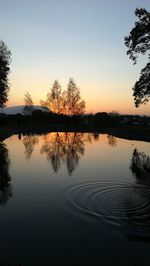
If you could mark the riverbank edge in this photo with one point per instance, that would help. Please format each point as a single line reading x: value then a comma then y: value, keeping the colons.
x: 126, y: 132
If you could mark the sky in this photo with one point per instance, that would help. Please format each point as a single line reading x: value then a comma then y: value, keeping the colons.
x: 82, y: 39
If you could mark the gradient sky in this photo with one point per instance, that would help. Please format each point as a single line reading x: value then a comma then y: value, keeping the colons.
x: 82, y: 39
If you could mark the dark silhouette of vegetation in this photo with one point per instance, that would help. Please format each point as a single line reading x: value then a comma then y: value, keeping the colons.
x: 140, y: 167
x: 139, y: 224
x: 137, y: 42
x: 5, y: 60
x: 73, y: 103
x: 54, y: 101
x: 19, y: 136
x: 126, y: 126
x: 5, y: 185
x: 64, y: 102
x: 29, y: 106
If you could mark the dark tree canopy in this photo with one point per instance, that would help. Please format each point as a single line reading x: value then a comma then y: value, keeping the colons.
x: 138, y: 42
x: 142, y: 87
x: 5, y: 179
x: 5, y: 60
x: 140, y: 167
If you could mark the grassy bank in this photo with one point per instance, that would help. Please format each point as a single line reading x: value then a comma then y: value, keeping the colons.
x: 131, y: 132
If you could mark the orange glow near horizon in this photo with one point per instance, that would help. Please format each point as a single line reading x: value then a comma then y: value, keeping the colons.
x: 100, y: 95
x: 97, y: 100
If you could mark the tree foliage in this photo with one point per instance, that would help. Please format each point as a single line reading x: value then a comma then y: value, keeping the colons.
x: 142, y: 87
x: 5, y: 60
x: 29, y: 106
x: 138, y: 42
x: 64, y: 102
x: 74, y: 105
x: 5, y: 179
x: 54, y: 98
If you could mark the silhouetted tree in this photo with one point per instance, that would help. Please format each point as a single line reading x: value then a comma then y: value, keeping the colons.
x: 73, y: 103
x: 137, y: 42
x: 29, y: 106
x: 54, y: 99
x: 142, y: 87
x: 5, y: 60
x: 64, y: 102
x: 5, y: 186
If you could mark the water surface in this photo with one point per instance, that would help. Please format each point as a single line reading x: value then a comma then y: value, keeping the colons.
x: 73, y: 198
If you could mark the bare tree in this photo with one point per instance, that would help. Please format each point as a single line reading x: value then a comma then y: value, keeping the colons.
x: 64, y: 102
x: 29, y: 106
x: 54, y: 99
x: 74, y: 104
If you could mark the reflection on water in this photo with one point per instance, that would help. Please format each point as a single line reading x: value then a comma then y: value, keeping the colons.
x: 5, y: 185
x: 104, y: 205
x: 140, y: 223
x: 112, y: 141
x: 122, y: 205
x: 140, y: 167
x: 29, y: 142
x: 96, y: 136
x: 63, y: 148
x: 66, y: 148
x: 19, y: 136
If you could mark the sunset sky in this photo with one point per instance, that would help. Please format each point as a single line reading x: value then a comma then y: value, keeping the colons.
x: 82, y: 39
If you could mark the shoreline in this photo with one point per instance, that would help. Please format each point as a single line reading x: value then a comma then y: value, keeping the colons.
x: 126, y: 132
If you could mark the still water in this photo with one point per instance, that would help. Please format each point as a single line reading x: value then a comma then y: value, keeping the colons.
x: 74, y: 199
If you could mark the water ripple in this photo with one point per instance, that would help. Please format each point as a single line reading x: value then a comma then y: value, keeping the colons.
x: 117, y: 203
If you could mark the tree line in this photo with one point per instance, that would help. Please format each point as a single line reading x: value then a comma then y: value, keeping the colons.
x: 67, y: 102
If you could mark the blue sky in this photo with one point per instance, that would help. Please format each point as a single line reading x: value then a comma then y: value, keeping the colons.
x: 83, y: 39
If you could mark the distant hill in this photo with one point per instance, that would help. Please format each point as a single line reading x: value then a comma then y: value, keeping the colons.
x: 18, y: 109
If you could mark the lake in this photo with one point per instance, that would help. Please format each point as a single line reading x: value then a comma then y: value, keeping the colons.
x: 74, y: 199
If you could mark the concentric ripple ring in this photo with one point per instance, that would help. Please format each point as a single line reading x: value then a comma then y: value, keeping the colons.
x: 116, y: 203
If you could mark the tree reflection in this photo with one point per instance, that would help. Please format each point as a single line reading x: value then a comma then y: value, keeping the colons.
x: 5, y: 185
x: 65, y: 148
x: 29, y: 142
x: 138, y: 226
x: 96, y: 136
x: 19, y: 136
x: 112, y: 140
x: 140, y: 167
